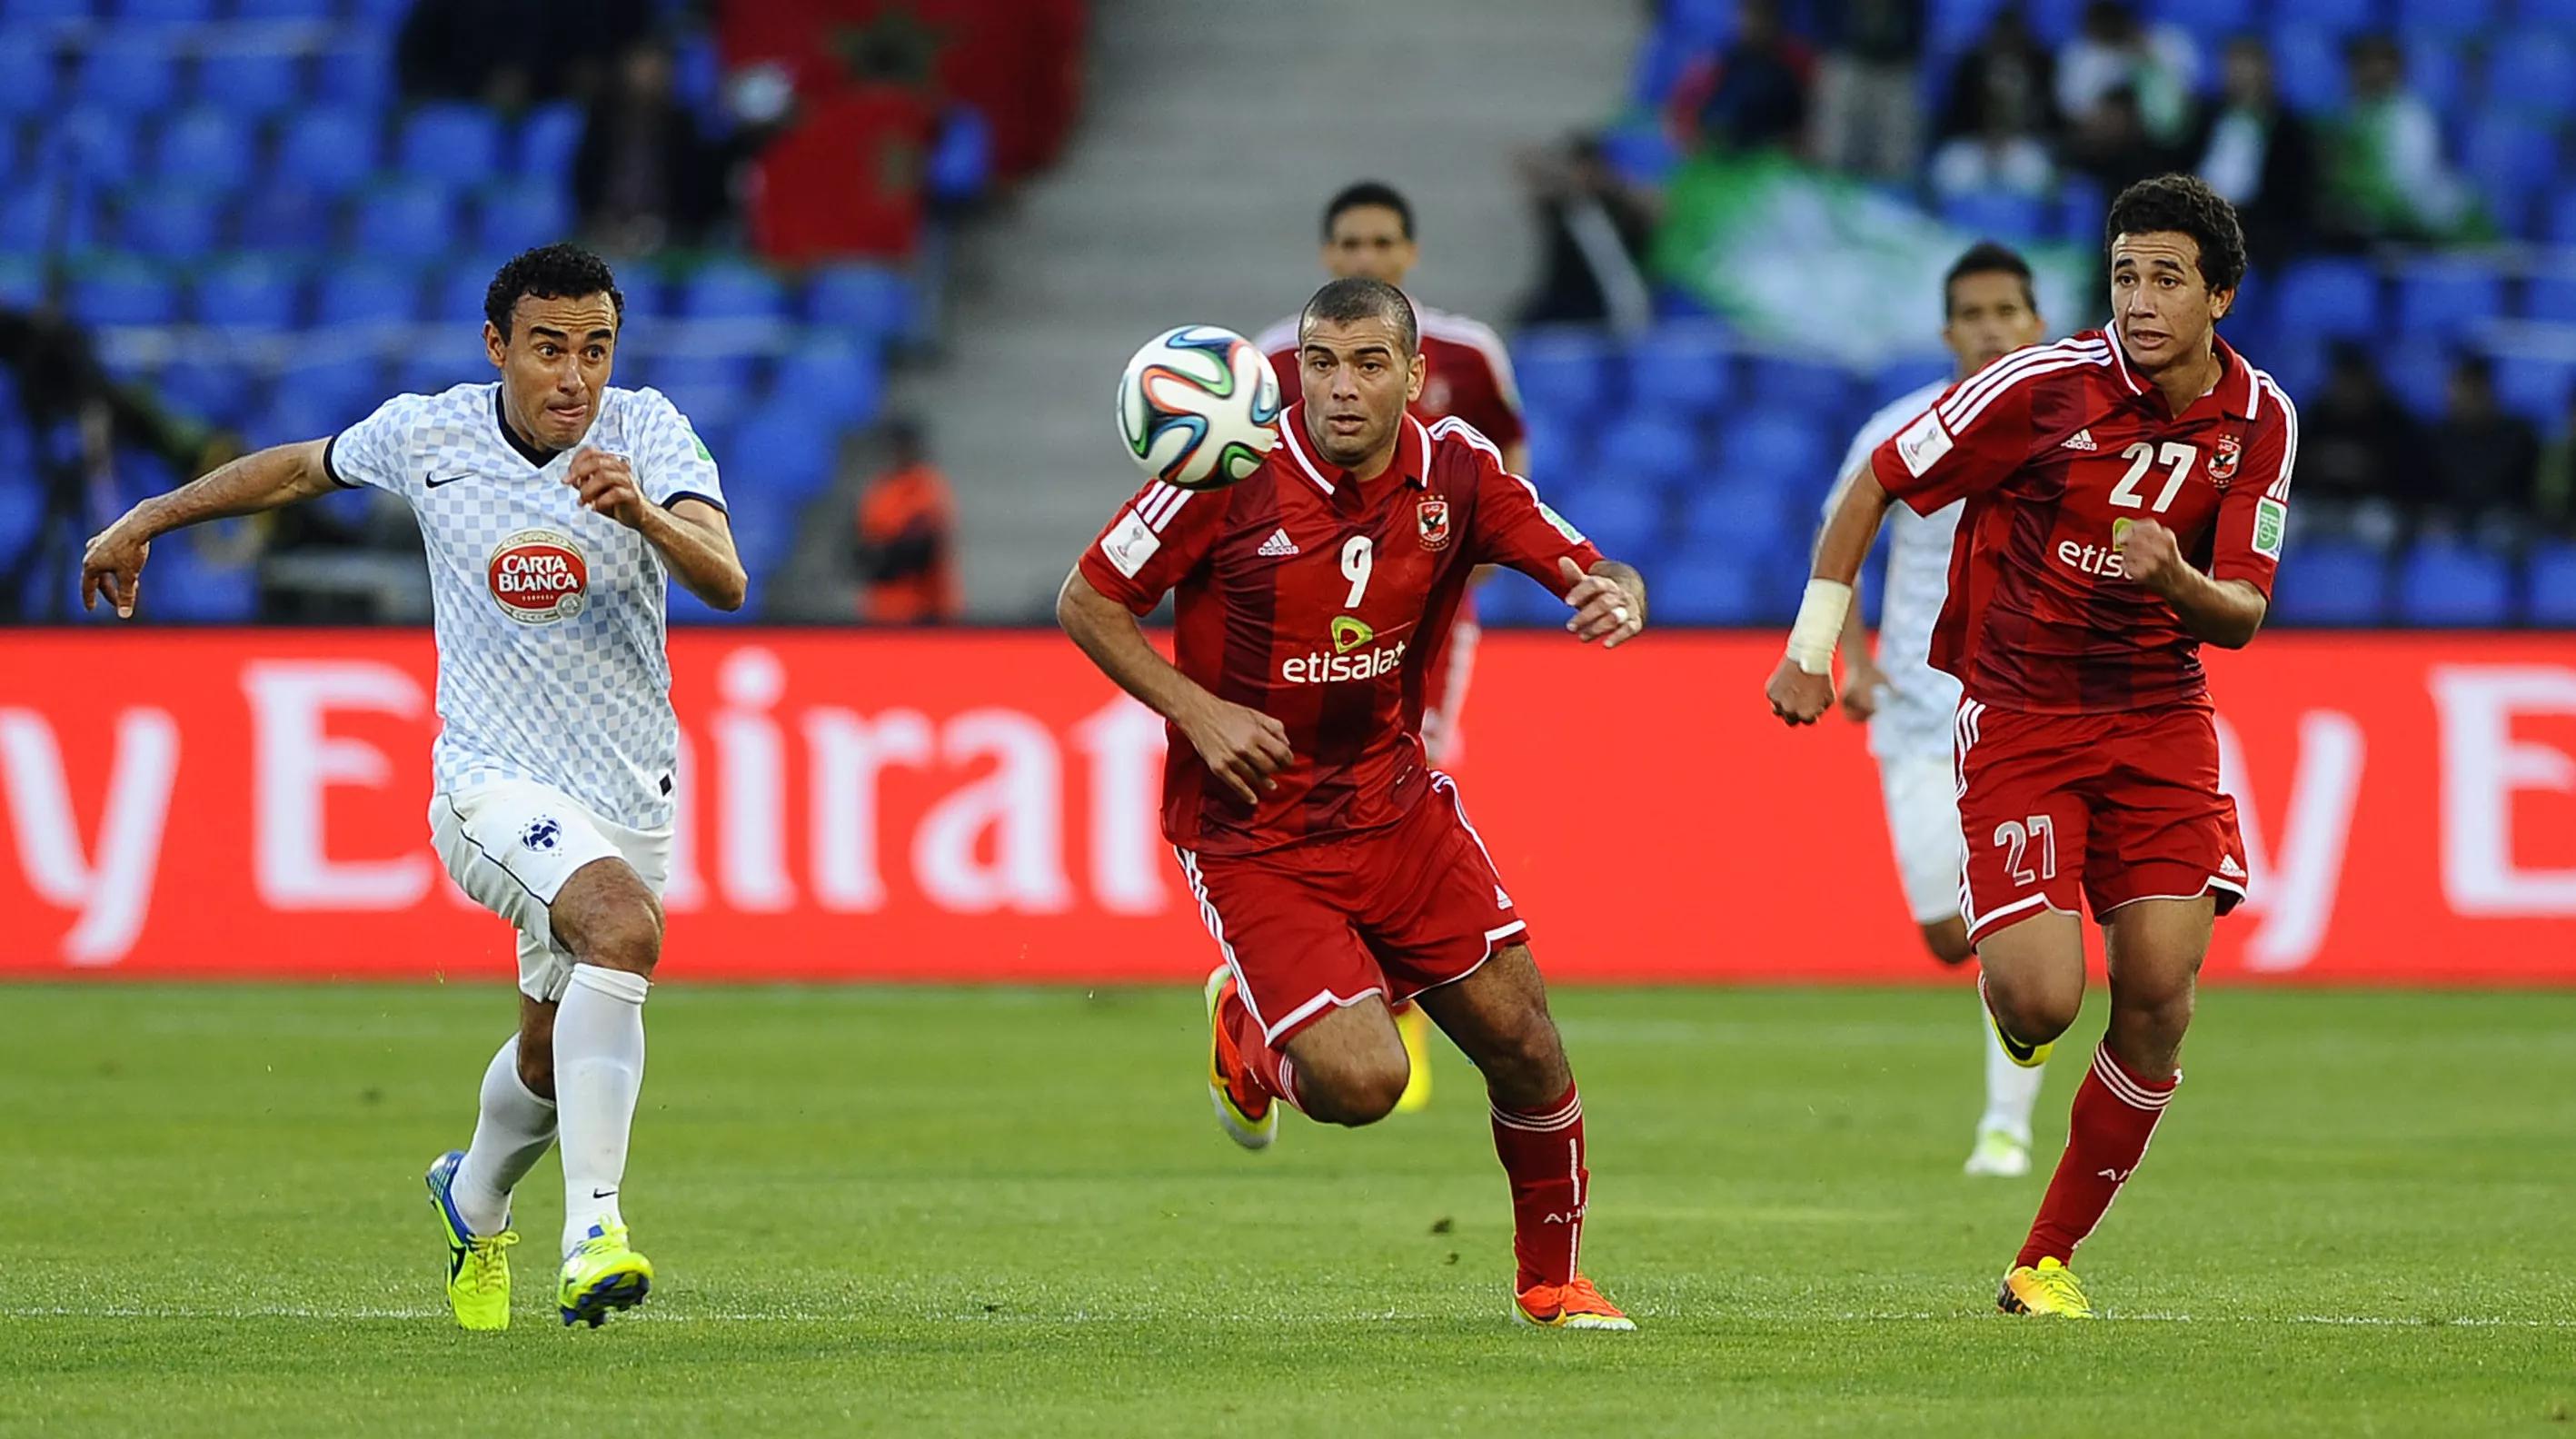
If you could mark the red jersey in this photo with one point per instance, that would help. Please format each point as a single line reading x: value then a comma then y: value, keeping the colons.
x: 2056, y: 449
x: 1466, y: 372
x: 1310, y: 596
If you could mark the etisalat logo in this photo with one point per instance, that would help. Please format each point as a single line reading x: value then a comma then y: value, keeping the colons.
x: 1350, y: 660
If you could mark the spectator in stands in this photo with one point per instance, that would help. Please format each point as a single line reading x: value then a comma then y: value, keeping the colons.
x: 511, y: 52
x: 1595, y: 229
x: 2003, y: 104
x: 2554, y: 487
x: 2112, y: 145
x: 2259, y: 155
x: 1867, y: 115
x: 907, y: 537
x: 2485, y: 458
x: 2114, y: 51
x: 2386, y: 178
x: 645, y: 177
x: 2363, y: 466
x: 1755, y: 94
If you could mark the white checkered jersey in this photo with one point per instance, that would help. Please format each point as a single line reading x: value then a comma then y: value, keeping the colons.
x: 552, y: 665
x: 1922, y: 703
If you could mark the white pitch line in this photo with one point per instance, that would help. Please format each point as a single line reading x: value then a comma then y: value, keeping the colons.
x: 1007, y: 1316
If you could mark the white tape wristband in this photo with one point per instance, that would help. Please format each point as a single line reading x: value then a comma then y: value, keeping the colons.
x: 1819, y: 626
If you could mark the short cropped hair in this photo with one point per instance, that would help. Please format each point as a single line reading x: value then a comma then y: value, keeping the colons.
x: 1367, y: 193
x: 1342, y: 301
x: 551, y: 272
x: 2183, y: 204
x: 1986, y: 257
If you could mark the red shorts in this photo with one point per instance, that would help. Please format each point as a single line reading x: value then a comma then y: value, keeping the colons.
x: 1327, y: 923
x: 2108, y: 809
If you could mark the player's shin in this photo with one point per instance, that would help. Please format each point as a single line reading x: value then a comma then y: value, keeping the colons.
x: 510, y: 1135
x: 599, y: 1071
x: 2115, y: 1115
x: 1542, y: 1154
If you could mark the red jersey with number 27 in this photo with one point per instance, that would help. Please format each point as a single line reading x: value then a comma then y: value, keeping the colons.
x: 2057, y: 449
x: 1310, y: 596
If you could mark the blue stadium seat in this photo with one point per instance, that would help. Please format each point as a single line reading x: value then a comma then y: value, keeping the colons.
x: 330, y: 393
x: 1998, y: 215
x: 2561, y: 228
x: 405, y: 222
x: 327, y: 151
x: 2449, y: 19
x: 249, y: 296
x: 521, y: 216
x: 1744, y: 517
x: 206, y: 390
x: 1513, y: 601
x: 1641, y: 152
x: 249, y: 80
x: 648, y: 295
x: 2551, y: 295
x: 869, y: 299
x: 303, y: 10
x: 165, y: 12
x: 1661, y: 62
x: 2336, y: 17
x: 1562, y: 371
x: 379, y: 14
x: 1558, y: 448
x: 1954, y: 25
x: 2205, y: 17
x: 365, y: 294
x: 170, y: 223
x: 26, y: 219
x: 206, y: 147
x: 22, y: 510
x: 457, y: 298
x: 124, y: 297
x: 2333, y: 582
x: 360, y: 77
x: 2550, y: 577
x: 2532, y: 72
x: 1818, y: 391
x: 1780, y: 448
x: 716, y: 385
x: 130, y: 75
x: 2307, y: 59
x: 833, y: 377
x: 1646, y: 450
x: 2535, y: 387
x: 22, y: 287
x: 2328, y: 298
x: 98, y: 146
x: 2559, y: 13
x: 50, y: 12
x: 789, y: 454
x: 1681, y: 369
x: 2419, y: 375
x: 1622, y: 516
x: 450, y: 144
x: 26, y: 76
x: 2448, y: 299
x: 185, y: 586
x: 290, y: 220
x: 2437, y: 71
x: 732, y: 290
x: 1707, y: 589
x: 1898, y: 378
x: 2513, y: 162
x: 960, y: 168
x: 548, y: 139
x: 2454, y: 586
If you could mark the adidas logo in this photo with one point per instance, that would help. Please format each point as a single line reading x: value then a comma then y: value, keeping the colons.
x: 1277, y: 546
x: 1501, y: 900
x: 2080, y: 440
x: 2228, y: 868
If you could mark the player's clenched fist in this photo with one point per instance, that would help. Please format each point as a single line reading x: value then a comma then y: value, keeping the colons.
x: 112, y: 567
x: 1242, y: 747
x: 607, y: 486
x: 2150, y: 555
x: 1797, y: 696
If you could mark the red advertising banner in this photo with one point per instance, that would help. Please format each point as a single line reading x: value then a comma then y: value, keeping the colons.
x: 981, y: 806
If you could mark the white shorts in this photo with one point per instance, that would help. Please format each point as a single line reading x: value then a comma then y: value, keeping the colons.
x: 1922, y: 794
x: 511, y: 844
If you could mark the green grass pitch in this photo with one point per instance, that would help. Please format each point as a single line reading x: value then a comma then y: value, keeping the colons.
x: 1009, y: 1212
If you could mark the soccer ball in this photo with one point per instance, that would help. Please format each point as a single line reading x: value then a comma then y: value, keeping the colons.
x: 1199, y: 407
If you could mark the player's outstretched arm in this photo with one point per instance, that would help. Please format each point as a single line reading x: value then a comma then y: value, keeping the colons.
x: 1802, y: 687
x: 2226, y: 613
x: 112, y: 567
x: 1609, y: 601
x: 1244, y: 747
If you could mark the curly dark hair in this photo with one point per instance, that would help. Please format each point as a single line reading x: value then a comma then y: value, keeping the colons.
x: 2183, y: 204
x: 550, y: 272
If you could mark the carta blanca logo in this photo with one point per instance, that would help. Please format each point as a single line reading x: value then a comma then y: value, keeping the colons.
x: 1320, y: 668
x: 1349, y: 633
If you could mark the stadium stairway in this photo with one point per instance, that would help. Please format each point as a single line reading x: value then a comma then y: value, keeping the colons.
x: 1212, y: 138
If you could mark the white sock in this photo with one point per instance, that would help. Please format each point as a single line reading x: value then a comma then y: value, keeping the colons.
x: 510, y: 1135
x: 2011, y: 1090
x: 599, y: 1069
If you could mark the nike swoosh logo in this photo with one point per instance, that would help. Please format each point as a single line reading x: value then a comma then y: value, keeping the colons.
x: 601, y: 1193
x: 443, y: 480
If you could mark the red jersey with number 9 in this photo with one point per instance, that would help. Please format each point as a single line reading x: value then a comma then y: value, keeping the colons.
x: 1309, y: 595
x: 2057, y: 450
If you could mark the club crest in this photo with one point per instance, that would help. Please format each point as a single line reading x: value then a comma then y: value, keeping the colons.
x: 1433, y: 519
x: 2222, y: 463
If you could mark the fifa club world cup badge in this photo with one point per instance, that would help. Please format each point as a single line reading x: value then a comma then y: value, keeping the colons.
x: 2222, y: 463
x: 1434, y: 520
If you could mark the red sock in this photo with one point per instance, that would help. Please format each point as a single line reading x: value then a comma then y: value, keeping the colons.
x: 2115, y: 1115
x: 1542, y: 1152
x: 1263, y: 1065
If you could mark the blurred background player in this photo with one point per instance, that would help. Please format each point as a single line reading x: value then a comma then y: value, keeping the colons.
x: 1991, y: 310
x: 1336, y: 870
x: 2127, y: 496
x: 1368, y: 235
x: 556, y: 509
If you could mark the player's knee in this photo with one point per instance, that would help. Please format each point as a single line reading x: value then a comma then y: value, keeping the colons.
x: 2033, y: 1011
x: 1525, y: 1065
x: 631, y: 941
x: 1355, y: 1094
